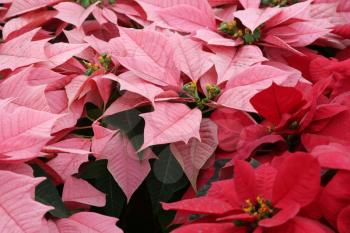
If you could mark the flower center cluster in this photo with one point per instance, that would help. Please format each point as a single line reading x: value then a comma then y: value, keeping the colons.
x: 212, y: 91
x: 259, y: 208
x: 235, y: 29
x: 280, y: 3
x: 104, y: 61
x: 86, y: 3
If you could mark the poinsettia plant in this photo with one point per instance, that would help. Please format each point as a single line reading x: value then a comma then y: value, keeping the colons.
x: 211, y: 116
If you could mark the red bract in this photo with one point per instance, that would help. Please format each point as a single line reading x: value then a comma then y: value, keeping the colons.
x: 335, y: 201
x: 266, y: 197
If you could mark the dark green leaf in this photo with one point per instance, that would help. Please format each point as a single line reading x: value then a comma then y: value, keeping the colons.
x: 46, y: 193
x: 166, y: 168
x: 97, y: 174
x: 93, y: 111
x: 126, y: 121
x: 93, y: 170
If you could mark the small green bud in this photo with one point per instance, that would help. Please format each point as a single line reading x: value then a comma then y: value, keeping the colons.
x: 191, y: 89
x: 266, y: 2
x: 90, y: 68
x: 294, y: 125
x: 212, y: 91
x: 223, y: 26
x: 85, y: 3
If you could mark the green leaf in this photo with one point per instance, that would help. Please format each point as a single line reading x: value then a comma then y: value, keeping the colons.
x: 93, y: 111
x: 125, y: 121
x: 137, y: 142
x: 96, y: 173
x: 94, y: 169
x: 160, y: 192
x: 166, y: 168
x: 47, y: 193
x: 163, y: 192
x: 115, y: 198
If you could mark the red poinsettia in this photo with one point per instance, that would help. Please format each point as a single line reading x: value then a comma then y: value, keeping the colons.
x: 335, y: 201
x: 265, y: 199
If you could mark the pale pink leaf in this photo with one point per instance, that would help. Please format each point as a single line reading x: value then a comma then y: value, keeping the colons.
x: 59, y: 53
x: 277, y: 42
x: 78, y: 87
x: 150, y: 55
x: 99, y: 45
x: 24, y: 131
x: 70, y: 145
x: 193, y: 155
x: 252, y: 18
x: 22, y: 51
x: 186, y: 18
x: 130, y: 82
x: 66, y: 164
x: 123, y: 162
x: 126, y: 102
x: 250, y: 3
x: 28, y: 87
x: 79, y: 190
x: 230, y: 62
x: 288, y: 13
x: 249, y: 82
x: 190, y: 57
x: 88, y: 222
x: 73, y: 13
x: 23, y: 6
x: 110, y: 15
x: 152, y: 7
x: 26, y: 22
x: 20, y: 168
x: 213, y: 38
x: 171, y: 122
x: 19, y: 212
